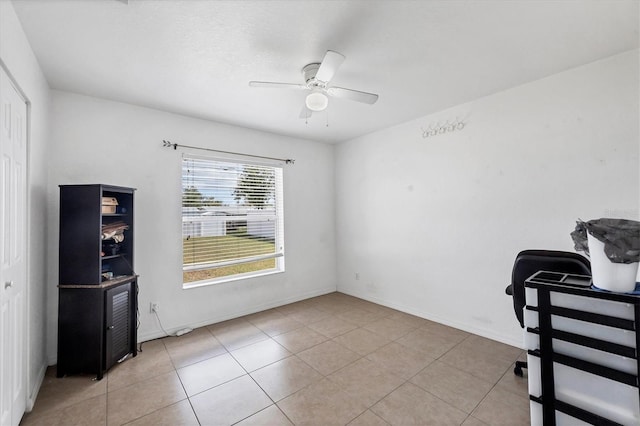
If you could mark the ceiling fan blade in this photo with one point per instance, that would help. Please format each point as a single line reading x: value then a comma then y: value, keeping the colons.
x: 354, y: 95
x: 270, y: 84
x: 305, y: 112
x: 330, y: 64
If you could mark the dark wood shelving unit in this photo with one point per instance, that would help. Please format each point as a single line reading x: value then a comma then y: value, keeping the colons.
x: 97, y: 291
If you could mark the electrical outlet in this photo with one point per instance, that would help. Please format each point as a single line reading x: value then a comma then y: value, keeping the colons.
x: 154, y: 307
x: 357, y: 276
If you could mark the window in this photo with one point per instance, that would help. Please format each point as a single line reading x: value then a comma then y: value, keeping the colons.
x: 232, y: 224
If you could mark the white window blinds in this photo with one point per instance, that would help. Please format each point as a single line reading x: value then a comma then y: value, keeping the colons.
x: 232, y: 222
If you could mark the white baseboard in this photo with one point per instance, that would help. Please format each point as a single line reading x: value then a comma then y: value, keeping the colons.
x: 247, y: 311
x: 489, y: 334
x: 31, y: 398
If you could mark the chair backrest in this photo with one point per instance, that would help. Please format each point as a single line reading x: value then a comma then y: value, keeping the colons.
x: 528, y: 262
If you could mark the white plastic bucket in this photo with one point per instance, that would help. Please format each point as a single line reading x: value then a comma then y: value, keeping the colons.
x: 619, y: 277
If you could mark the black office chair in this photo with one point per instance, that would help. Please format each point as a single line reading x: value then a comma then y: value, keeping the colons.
x: 527, y: 263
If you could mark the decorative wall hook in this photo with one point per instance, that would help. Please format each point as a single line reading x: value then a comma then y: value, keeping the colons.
x: 442, y: 128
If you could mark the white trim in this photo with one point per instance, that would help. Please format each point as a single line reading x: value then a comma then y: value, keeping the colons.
x: 27, y: 231
x: 31, y: 397
x: 237, y: 314
x: 483, y: 332
x: 231, y: 278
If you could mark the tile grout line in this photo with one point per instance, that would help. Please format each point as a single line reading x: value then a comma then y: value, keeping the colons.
x: 334, y: 307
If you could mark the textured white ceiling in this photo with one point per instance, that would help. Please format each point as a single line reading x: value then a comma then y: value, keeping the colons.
x: 196, y: 57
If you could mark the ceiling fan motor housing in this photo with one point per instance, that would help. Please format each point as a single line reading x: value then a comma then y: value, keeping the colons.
x: 309, y: 73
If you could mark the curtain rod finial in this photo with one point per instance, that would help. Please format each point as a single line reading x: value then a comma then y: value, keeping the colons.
x: 167, y: 144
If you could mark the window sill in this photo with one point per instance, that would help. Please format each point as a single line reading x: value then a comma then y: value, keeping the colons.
x: 238, y: 277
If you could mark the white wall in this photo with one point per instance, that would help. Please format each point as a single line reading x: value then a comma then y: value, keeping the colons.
x: 99, y: 141
x: 18, y: 59
x: 432, y: 226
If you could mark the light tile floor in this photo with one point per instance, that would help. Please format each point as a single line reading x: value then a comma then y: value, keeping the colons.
x: 329, y: 360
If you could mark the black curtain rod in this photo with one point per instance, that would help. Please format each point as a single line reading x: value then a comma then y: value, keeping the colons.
x: 167, y: 144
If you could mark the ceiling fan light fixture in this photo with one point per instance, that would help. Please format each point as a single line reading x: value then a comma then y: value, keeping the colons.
x: 316, y: 101
x: 317, y: 80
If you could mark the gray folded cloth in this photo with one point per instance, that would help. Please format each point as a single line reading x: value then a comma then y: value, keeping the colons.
x: 621, y: 238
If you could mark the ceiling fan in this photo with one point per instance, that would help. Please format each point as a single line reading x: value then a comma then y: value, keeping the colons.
x: 317, y: 77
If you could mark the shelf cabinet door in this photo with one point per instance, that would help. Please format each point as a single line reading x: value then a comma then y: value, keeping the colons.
x: 120, y: 313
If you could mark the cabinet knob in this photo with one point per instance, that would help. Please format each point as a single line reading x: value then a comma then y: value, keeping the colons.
x: 111, y: 327
x: 8, y: 284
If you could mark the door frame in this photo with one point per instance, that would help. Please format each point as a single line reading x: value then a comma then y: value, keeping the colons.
x: 30, y: 394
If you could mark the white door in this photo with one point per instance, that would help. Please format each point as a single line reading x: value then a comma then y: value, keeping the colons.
x: 13, y: 271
